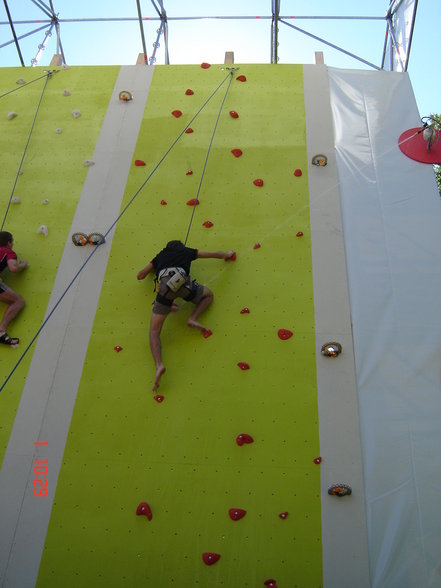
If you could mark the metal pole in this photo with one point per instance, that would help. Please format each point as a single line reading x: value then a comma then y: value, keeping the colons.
x: 42, y: 47
x: 275, y: 31
x: 156, y: 44
x: 13, y: 33
x: 23, y: 36
x: 385, y: 46
x: 142, y: 32
x: 331, y: 45
x: 411, y: 35
x: 394, y: 43
x: 43, y: 8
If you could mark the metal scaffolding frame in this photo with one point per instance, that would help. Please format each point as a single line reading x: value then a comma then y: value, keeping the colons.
x: 54, y: 21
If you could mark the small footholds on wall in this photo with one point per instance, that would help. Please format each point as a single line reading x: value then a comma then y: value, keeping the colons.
x: 232, y: 257
x: 79, y: 239
x: 317, y: 460
x: 118, y: 348
x: 176, y: 113
x: 144, y: 509
x: 339, y: 490
x: 205, y: 65
x: 88, y: 163
x: 207, y: 224
x: 244, y: 365
x: 299, y: 234
x: 193, y: 202
x: 189, y: 92
x: 139, y: 163
x: 241, y: 78
x: 209, y: 558
x: 96, y: 239
x: 15, y: 200
x: 271, y: 583
x: 189, y: 172
x: 258, y: 182
x: 76, y: 113
x: 125, y: 96
x: 257, y: 246
x: 43, y: 230
x: 12, y: 115
x: 284, y: 334
x: 46, y: 201
x: 189, y: 131
x: 58, y: 131
x: 244, y: 438
x: 331, y: 349
x: 65, y: 66
x: 319, y: 160
x: 283, y: 515
x: 163, y: 203
x: 245, y: 310
x: 206, y: 333
x: 66, y: 92
x: 20, y: 172
x: 236, y: 513
x: 159, y: 398
x: 237, y: 152
x: 298, y: 173
x: 234, y: 114
x: 20, y: 81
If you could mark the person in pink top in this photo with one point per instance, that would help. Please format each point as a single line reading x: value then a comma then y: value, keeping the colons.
x: 14, y: 302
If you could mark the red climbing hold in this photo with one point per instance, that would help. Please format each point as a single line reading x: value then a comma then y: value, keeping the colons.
x: 237, y: 513
x: 192, y: 202
x: 283, y: 515
x: 298, y: 173
x: 189, y: 173
x: 257, y: 246
x: 233, y: 114
x: 144, y: 509
x: 205, y: 65
x: 270, y: 583
x: 258, y: 182
x: 158, y: 398
x: 163, y: 203
x: 317, y: 460
x: 245, y: 310
x: 284, y: 334
x: 189, y: 92
x: 139, y: 162
x: 177, y: 113
x: 243, y: 365
x: 207, y: 224
x: 117, y: 348
x: 232, y: 258
x: 236, y: 152
x: 241, y: 79
x: 189, y: 130
x: 206, y: 333
x: 299, y: 234
x: 210, y: 558
x: 244, y: 438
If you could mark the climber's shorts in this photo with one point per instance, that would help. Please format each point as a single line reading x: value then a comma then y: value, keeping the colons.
x: 191, y: 292
x: 3, y: 286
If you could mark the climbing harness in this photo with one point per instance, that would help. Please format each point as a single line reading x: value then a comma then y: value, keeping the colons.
x: 173, y: 277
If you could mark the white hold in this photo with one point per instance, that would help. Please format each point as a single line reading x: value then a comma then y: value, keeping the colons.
x: 15, y: 200
x: 65, y: 66
x: 45, y: 201
x: 88, y: 163
x: 21, y: 81
x: 12, y: 115
x: 58, y: 131
x: 66, y: 92
x: 43, y: 230
x: 20, y: 172
x: 76, y: 113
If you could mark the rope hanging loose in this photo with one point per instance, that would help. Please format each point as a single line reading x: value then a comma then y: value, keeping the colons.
x: 207, y: 156
x: 47, y: 76
x: 92, y: 253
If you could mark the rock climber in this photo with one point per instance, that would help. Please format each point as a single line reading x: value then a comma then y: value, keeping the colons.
x: 172, y: 268
x: 15, y: 302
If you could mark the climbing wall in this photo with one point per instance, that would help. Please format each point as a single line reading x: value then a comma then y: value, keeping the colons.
x: 180, y: 454
x: 40, y: 137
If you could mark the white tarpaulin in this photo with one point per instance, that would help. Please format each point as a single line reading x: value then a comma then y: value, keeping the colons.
x: 391, y: 214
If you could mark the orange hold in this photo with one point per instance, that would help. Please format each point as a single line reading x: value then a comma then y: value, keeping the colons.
x: 257, y: 246
x: 233, y: 114
x: 139, y: 162
x: 193, y: 202
x: 189, y: 92
x: 189, y: 131
x: 258, y: 182
x: 163, y: 203
x: 241, y: 78
x: 205, y: 65
x: 236, y: 152
x: 177, y: 113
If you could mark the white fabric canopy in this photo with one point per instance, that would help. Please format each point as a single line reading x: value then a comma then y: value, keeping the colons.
x: 391, y: 213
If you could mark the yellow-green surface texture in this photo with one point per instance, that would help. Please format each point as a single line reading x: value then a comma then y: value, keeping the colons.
x: 181, y: 456
x: 52, y: 170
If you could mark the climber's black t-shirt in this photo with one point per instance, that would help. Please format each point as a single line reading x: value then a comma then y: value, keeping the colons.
x: 176, y: 256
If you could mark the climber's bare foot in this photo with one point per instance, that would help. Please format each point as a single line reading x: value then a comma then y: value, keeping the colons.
x: 158, y: 375
x: 195, y: 325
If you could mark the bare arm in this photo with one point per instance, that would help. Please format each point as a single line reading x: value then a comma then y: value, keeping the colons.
x: 145, y: 271
x: 16, y: 266
x: 215, y: 254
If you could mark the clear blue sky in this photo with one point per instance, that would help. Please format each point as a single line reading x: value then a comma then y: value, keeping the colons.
x: 207, y: 40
